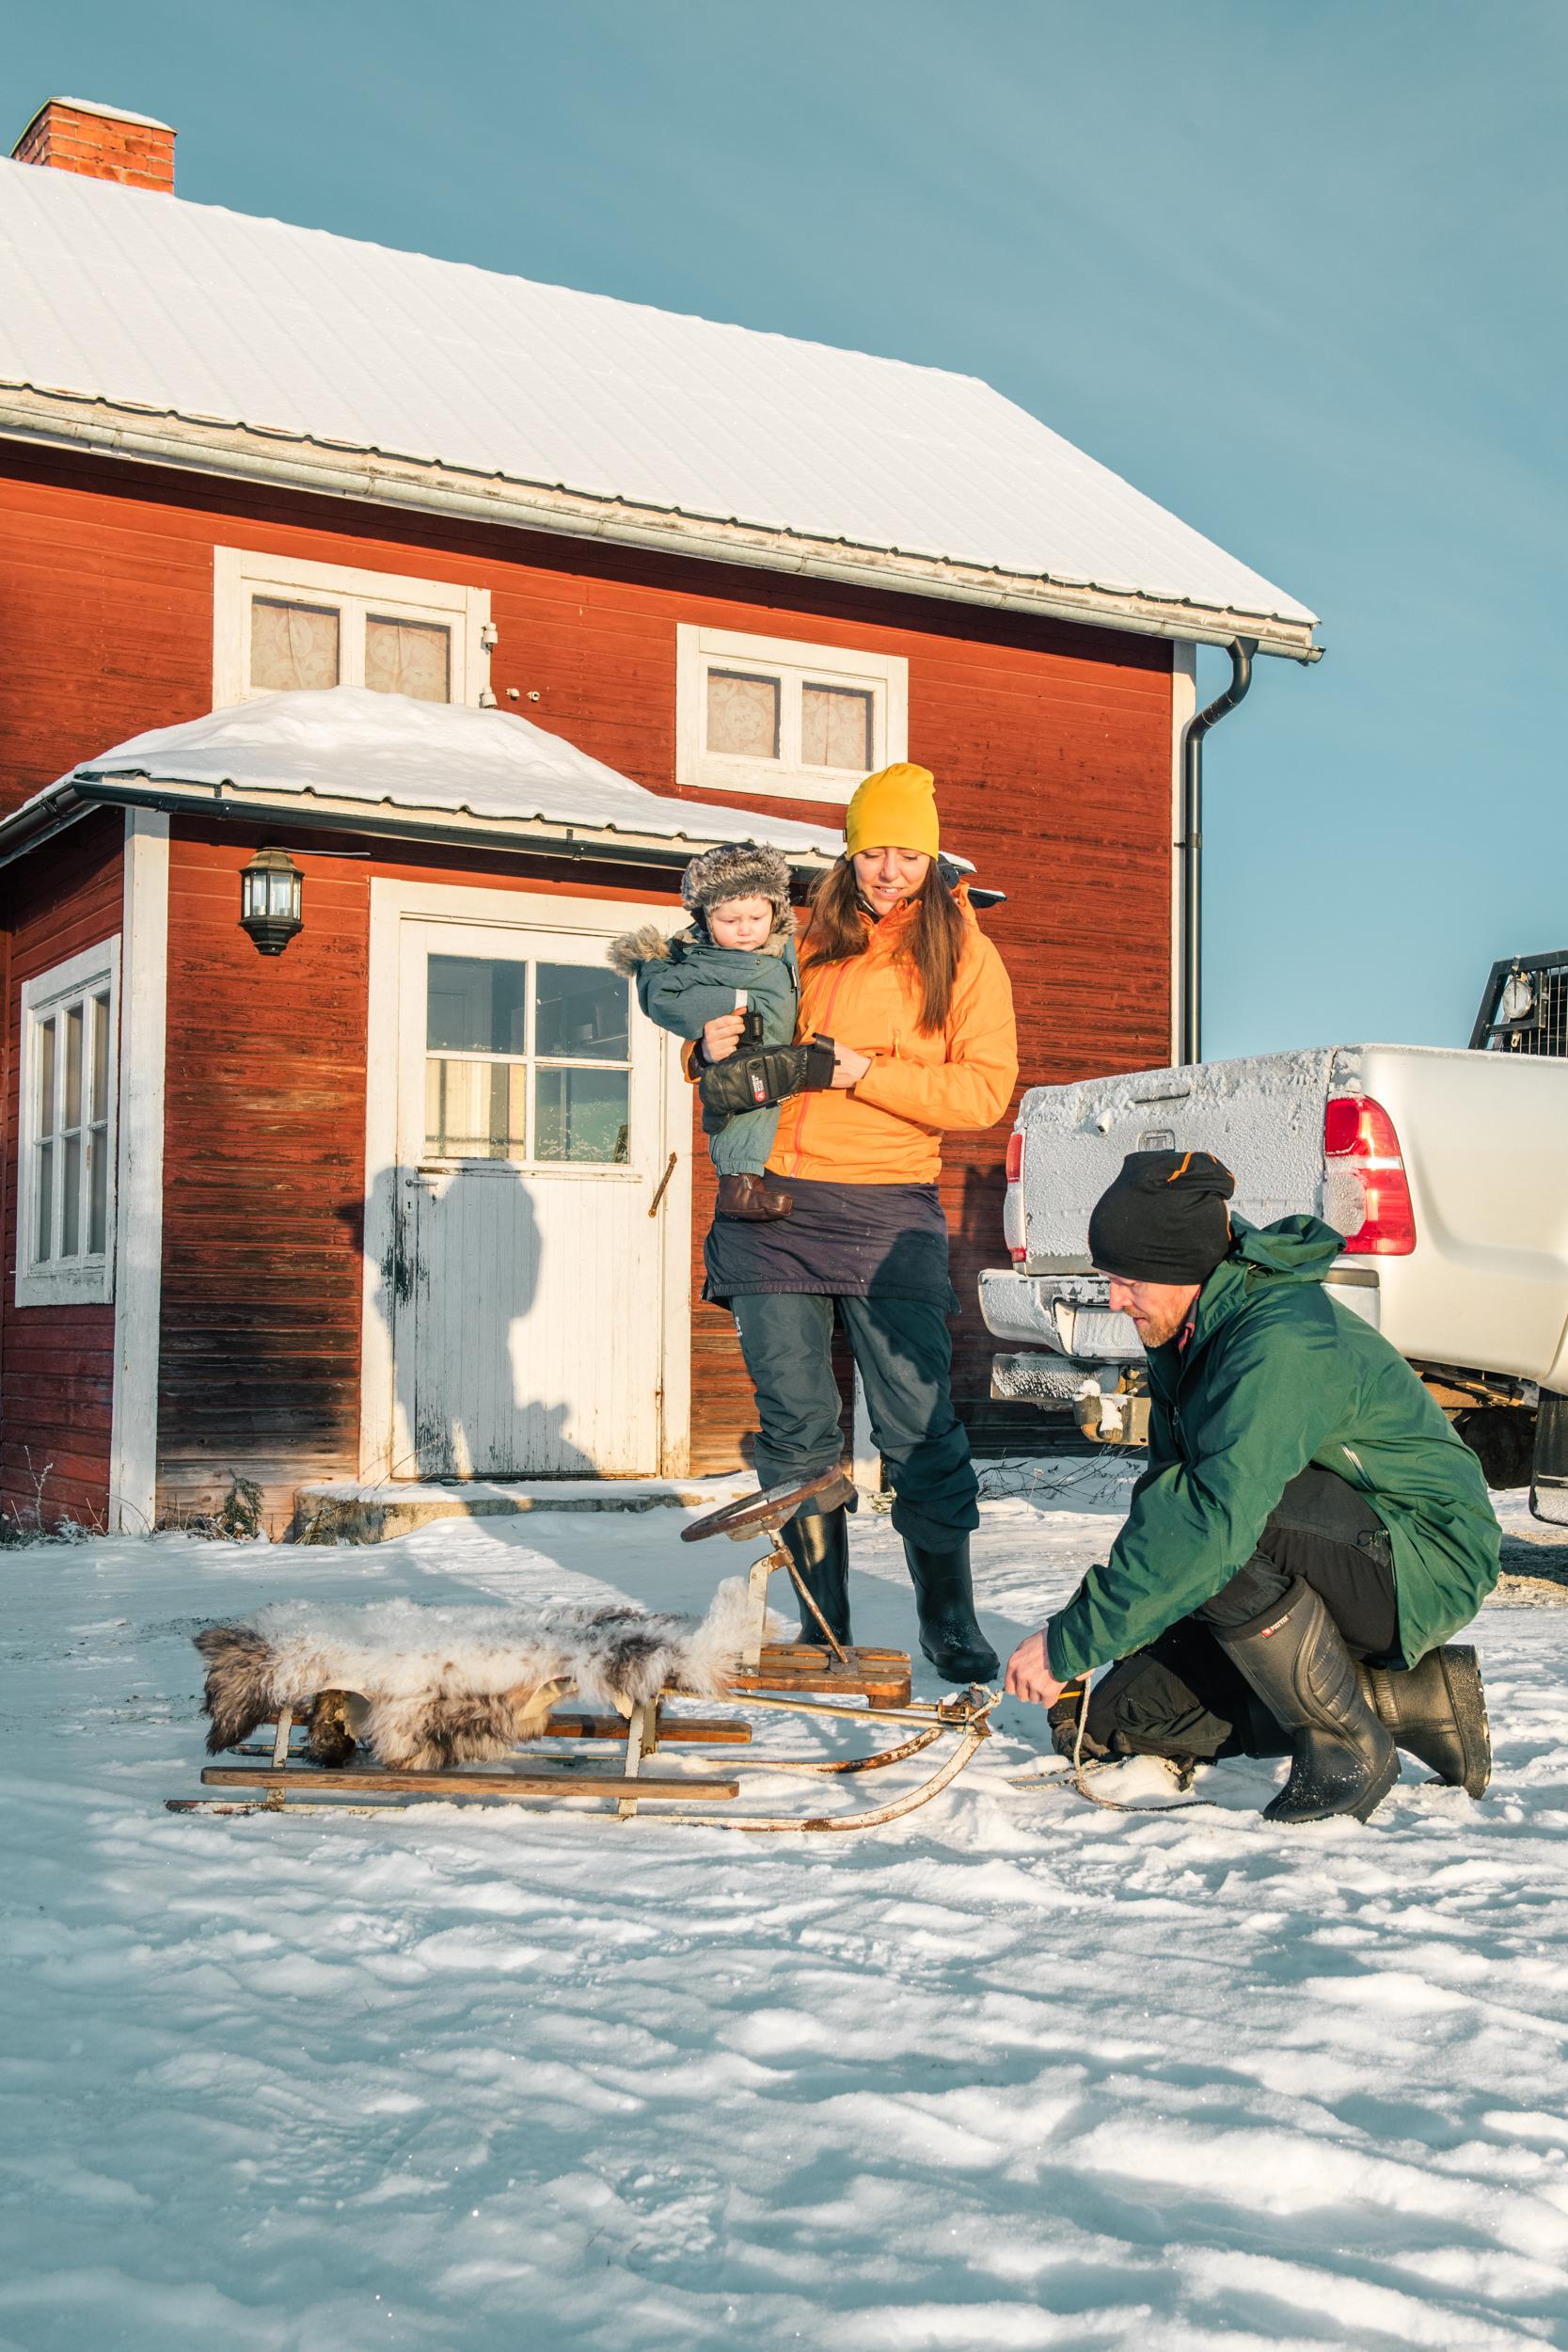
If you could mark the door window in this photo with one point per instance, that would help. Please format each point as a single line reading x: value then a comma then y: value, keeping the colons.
x: 527, y: 1061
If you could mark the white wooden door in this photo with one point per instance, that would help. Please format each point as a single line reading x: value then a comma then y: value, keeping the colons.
x: 528, y: 1339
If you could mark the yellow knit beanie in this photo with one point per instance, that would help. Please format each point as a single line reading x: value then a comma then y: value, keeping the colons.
x: 895, y: 809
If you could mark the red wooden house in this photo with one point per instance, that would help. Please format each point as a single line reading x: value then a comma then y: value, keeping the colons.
x: 412, y: 1195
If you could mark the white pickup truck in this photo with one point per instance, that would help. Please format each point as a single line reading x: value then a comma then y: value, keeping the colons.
x: 1446, y: 1170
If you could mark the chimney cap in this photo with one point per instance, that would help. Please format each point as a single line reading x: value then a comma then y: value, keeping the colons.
x: 106, y: 113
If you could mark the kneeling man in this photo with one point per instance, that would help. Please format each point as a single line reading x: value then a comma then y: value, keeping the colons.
x: 1307, y: 1535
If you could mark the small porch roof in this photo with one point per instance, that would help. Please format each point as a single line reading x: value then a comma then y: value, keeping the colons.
x: 351, y: 759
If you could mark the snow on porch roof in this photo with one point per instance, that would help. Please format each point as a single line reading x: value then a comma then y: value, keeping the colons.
x: 197, y: 326
x: 345, y: 746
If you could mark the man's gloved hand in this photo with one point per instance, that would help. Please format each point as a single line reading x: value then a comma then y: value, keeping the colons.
x: 756, y: 1081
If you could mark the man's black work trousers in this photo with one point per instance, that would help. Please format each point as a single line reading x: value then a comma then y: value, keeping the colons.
x: 1183, y: 1698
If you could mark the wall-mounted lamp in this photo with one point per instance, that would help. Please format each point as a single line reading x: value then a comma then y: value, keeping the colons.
x: 271, y: 896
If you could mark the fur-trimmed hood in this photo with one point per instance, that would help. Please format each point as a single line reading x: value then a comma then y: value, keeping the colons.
x: 632, y: 950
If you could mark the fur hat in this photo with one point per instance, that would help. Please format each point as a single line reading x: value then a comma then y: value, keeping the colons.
x: 736, y: 870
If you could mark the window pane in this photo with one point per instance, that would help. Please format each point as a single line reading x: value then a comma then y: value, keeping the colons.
x: 743, y: 714
x: 409, y: 657
x: 100, y: 1057
x: 72, y: 1111
x: 45, y: 1221
x: 70, y: 1197
x: 46, y: 1112
x: 474, y: 1110
x: 835, y: 727
x: 581, y: 1114
x: 581, y: 1012
x: 98, y: 1190
x: 478, y: 1005
x: 292, y: 645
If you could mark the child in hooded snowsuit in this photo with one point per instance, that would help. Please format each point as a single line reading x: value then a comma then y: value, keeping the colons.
x: 700, y: 974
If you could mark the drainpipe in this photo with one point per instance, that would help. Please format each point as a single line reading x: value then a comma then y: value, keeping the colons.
x: 1191, y: 845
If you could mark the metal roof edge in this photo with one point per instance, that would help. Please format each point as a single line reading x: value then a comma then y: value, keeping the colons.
x: 250, y: 805
x: 62, y: 419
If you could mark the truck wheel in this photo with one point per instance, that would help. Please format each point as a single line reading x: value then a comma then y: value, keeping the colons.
x: 1502, y: 1438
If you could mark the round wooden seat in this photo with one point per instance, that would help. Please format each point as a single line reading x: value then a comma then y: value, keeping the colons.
x: 767, y: 1511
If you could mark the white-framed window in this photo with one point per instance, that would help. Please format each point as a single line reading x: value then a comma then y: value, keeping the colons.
x: 67, y: 1139
x: 773, y: 714
x: 279, y: 622
x: 527, y: 1060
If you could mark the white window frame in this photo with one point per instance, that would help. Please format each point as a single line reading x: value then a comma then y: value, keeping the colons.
x: 240, y: 575
x: 84, y: 1279
x: 795, y: 662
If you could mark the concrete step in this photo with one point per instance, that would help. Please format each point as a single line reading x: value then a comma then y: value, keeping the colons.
x: 336, y: 1511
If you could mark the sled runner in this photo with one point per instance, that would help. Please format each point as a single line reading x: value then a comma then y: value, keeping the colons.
x: 380, y: 1706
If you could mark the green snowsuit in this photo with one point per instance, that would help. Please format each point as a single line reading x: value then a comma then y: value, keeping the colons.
x: 1278, y: 1375
x: 688, y: 981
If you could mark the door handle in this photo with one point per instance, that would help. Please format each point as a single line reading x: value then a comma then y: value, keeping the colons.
x: 663, y: 1183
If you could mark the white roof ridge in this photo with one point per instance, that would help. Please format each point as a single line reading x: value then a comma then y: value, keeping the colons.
x: 587, y: 295
x: 152, y: 304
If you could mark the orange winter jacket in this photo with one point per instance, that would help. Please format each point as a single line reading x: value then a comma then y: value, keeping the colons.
x: 887, y: 1128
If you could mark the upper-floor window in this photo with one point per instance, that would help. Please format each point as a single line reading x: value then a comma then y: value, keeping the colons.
x: 773, y: 714
x: 65, y: 1171
x: 281, y: 622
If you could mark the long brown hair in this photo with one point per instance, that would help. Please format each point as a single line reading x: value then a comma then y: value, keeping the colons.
x: 838, y: 929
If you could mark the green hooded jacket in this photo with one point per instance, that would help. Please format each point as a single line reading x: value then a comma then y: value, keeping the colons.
x: 1278, y: 1375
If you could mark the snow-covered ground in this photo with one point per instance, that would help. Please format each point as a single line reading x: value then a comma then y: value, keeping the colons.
x: 1013, y: 2073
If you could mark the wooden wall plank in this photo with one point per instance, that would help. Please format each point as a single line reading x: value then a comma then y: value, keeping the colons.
x: 1050, y: 744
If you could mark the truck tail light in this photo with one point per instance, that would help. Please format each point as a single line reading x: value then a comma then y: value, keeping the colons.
x: 1360, y: 1142
x: 1017, y: 1250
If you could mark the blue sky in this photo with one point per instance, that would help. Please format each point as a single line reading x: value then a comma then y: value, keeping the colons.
x: 1298, y: 273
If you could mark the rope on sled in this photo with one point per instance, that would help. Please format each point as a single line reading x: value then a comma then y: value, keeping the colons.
x: 1080, y: 1774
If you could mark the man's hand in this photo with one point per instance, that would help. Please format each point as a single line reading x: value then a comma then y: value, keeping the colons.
x: 848, y: 1065
x: 1029, y: 1675
x: 722, y: 1037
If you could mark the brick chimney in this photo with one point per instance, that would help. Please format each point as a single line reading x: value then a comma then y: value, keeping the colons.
x: 105, y: 142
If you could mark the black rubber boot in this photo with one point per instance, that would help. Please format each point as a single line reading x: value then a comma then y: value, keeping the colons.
x: 1342, y: 1758
x: 1436, y: 1713
x: 818, y: 1542
x: 950, y: 1633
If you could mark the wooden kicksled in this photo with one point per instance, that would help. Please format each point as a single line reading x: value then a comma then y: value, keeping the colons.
x: 869, y: 1688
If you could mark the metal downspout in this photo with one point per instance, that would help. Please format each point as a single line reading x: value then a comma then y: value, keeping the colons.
x: 1242, y: 650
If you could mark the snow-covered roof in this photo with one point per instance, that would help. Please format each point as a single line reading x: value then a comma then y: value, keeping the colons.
x: 343, y: 749
x: 215, y: 322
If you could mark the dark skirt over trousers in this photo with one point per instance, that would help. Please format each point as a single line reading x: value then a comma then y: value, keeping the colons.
x: 902, y: 1351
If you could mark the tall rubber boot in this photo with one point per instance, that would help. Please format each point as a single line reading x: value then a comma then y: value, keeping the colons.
x: 818, y: 1542
x: 950, y: 1633
x: 1436, y: 1711
x: 1342, y: 1758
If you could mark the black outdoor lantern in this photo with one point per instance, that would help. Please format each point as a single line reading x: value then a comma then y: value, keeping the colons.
x: 271, y: 894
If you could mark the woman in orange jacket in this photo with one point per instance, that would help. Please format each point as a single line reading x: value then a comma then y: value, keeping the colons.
x: 896, y: 970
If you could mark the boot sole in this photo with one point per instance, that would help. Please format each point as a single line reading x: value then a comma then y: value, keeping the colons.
x: 1361, y: 1811
x: 1468, y: 1697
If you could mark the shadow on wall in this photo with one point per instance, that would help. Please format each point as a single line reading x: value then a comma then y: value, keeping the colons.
x: 456, y: 1291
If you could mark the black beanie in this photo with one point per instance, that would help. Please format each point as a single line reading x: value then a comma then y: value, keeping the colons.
x: 1163, y: 1219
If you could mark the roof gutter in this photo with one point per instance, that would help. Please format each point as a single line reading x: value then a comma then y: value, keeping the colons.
x: 65, y: 420
x: 1191, y: 845
x: 539, y: 837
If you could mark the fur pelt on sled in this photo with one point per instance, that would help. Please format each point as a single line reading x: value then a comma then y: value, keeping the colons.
x: 424, y: 1688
